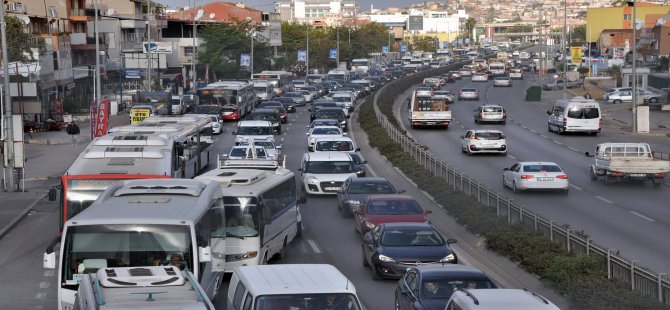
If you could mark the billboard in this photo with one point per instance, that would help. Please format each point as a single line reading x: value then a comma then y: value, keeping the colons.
x: 415, y: 22
x: 245, y: 60
x: 576, y: 53
x: 157, y: 47
x: 302, y: 55
x: 138, y: 115
x: 102, y: 118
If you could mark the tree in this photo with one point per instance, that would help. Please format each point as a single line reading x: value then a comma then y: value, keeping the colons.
x: 578, y: 33
x: 490, y: 14
x: 19, y: 43
x: 426, y: 44
x: 470, y: 24
x: 615, y: 72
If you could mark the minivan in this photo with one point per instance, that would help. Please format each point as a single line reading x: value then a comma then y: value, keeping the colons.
x: 253, y: 130
x: 575, y: 115
x: 291, y: 286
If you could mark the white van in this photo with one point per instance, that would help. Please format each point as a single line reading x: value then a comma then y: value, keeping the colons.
x: 291, y: 286
x: 498, y: 299
x: 258, y: 130
x: 575, y: 115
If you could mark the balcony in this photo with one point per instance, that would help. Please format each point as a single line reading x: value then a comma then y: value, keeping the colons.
x: 78, y: 38
x: 77, y: 12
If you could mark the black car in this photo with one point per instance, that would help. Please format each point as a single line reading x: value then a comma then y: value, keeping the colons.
x: 317, y: 105
x: 390, y: 247
x: 335, y: 113
x: 288, y: 103
x: 354, y: 191
x: 430, y: 287
x: 269, y: 114
x: 283, y: 115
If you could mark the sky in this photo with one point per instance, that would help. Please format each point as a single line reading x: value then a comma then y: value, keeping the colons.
x: 267, y: 5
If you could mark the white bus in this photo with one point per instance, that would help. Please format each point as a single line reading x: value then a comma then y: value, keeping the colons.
x: 360, y: 65
x: 282, y: 81
x: 339, y: 75
x: 262, y: 208
x: 202, y: 139
x: 144, y: 222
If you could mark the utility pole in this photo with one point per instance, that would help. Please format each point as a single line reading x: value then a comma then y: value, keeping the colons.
x: 149, y: 56
x: 634, y: 86
x: 9, y: 135
x: 307, y: 56
x: 251, y: 58
x: 563, y: 45
x: 193, y: 72
x: 337, y: 56
x: 98, y: 86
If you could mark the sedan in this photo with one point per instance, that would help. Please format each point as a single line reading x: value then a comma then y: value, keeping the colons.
x: 480, y: 77
x: 288, y: 103
x: 324, y: 122
x: 297, y: 97
x: 217, y: 128
x: 355, y: 190
x: 392, y: 247
x: 378, y: 209
x: 321, y: 131
x: 468, y: 94
x: 535, y: 175
x: 429, y: 287
x: 502, y: 81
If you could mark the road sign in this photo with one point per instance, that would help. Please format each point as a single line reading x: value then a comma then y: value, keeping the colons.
x: 245, y: 60
x: 133, y: 74
x: 576, y: 53
x: 467, y: 40
x: 157, y: 47
x: 302, y: 55
x: 415, y: 22
x: 385, y: 49
x: 403, y: 48
x: 445, y: 44
x: 332, y: 53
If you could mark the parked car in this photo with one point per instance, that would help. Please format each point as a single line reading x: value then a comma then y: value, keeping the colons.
x: 390, y: 247
x: 627, y: 96
x: 558, y: 84
x: 613, y: 90
x: 468, y: 94
x: 377, y: 209
x: 429, y: 287
x: 534, y: 176
x: 490, y: 113
x: 483, y: 141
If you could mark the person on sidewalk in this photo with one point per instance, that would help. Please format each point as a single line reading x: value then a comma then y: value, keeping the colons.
x: 72, y: 129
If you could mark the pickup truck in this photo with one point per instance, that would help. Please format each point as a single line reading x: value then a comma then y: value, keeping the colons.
x: 558, y: 84
x: 426, y: 111
x: 627, y: 162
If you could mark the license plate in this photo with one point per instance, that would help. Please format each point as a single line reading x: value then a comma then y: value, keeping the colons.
x: 545, y: 179
x: 331, y: 188
x: 431, y: 123
x: 637, y: 175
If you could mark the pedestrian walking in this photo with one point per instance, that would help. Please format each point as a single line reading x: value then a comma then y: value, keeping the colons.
x: 72, y: 129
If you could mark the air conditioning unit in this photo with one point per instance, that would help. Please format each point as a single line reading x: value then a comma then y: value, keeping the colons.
x: 11, y: 6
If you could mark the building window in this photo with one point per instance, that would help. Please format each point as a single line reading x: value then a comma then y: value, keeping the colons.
x: 626, y: 17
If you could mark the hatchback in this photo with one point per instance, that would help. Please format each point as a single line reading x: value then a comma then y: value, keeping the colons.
x: 468, y: 94
x: 484, y: 141
x: 490, y: 113
x: 355, y: 190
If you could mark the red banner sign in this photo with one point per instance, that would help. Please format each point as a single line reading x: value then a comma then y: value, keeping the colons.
x: 92, y: 110
x: 102, y: 118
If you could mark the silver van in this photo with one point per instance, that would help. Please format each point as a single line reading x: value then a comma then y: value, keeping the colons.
x: 575, y: 115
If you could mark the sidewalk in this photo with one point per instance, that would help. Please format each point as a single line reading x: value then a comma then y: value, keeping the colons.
x: 48, y: 155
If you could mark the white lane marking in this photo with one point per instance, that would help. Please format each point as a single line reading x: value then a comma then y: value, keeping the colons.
x: 642, y: 216
x: 559, y: 143
x: 543, y: 136
x: 512, y: 156
x: 572, y: 148
x: 524, y: 127
x: 533, y: 131
x: 41, y: 296
x: 604, y: 199
x: 314, y: 246
x: 44, y: 285
x: 49, y: 273
x: 576, y: 187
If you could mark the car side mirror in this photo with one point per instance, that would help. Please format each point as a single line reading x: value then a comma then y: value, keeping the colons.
x: 505, y: 169
x: 356, y: 210
x: 450, y: 241
x: 587, y: 154
x: 234, y: 133
x: 364, y: 162
x: 53, y: 194
x: 548, y: 112
x: 307, y: 126
x: 307, y: 133
x: 358, y: 149
x: 344, y: 133
x: 279, y: 147
x: 400, y: 191
x: 300, y: 169
x: 348, y: 116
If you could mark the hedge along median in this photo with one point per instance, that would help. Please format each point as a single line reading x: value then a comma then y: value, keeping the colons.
x: 582, y: 279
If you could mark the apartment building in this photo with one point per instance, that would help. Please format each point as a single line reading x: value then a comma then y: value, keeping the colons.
x: 310, y: 10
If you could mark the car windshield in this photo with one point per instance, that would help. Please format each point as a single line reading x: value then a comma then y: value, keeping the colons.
x: 307, y: 301
x: 244, y: 152
x: 584, y: 113
x: 329, y: 167
x: 325, y: 123
x: 371, y: 188
x: 442, y: 288
x: 411, y: 237
x: 492, y: 109
x: 254, y: 130
x: 293, y: 95
x: 341, y: 99
x: 443, y: 93
x: 393, y: 207
x: 326, y: 131
x: 264, y: 117
x: 541, y: 168
x: 334, y: 146
x: 330, y: 114
x: 488, y: 135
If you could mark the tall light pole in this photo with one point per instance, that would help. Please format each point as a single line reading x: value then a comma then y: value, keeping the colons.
x: 337, y: 56
x: 307, y: 56
x: 193, y: 72
x: 563, y: 45
x: 9, y: 135
x: 251, y: 57
x: 98, y: 87
x: 149, y: 56
x: 634, y: 71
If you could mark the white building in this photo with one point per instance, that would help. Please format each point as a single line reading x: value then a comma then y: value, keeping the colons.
x: 433, y: 21
x: 316, y: 9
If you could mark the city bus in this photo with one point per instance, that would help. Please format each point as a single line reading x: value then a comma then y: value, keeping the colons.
x: 236, y: 98
x: 282, y: 81
x: 360, y: 65
x: 203, y: 134
x: 144, y: 222
x: 261, y: 202
x: 340, y: 75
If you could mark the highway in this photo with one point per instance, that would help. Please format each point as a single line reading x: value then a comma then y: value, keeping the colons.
x: 328, y: 238
x: 630, y: 217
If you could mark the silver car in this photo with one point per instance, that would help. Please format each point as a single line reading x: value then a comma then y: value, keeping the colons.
x: 468, y: 94
x: 443, y: 95
x: 502, y: 81
x: 297, y: 97
x: 490, y: 113
x: 272, y: 151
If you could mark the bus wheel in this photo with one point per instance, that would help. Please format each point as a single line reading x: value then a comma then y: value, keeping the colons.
x: 298, y: 233
x: 282, y: 251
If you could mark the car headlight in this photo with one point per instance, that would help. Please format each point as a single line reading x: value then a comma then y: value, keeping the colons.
x: 275, y: 124
x: 312, y: 180
x: 353, y: 202
x: 370, y: 225
x: 239, y: 257
x: 386, y: 259
x: 343, y: 122
x: 447, y: 259
x: 312, y: 140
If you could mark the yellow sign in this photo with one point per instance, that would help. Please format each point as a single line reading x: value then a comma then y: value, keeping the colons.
x: 138, y: 115
x: 576, y: 53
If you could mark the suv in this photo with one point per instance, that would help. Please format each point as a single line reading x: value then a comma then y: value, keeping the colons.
x: 499, y: 299
x: 323, y: 173
x: 484, y: 141
x: 490, y: 113
x: 333, y: 113
x: 267, y: 114
x: 253, y: 130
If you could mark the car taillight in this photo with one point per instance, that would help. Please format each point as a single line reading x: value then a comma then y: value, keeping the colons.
x: 659, y: 175
x: 562, y: 177
x: 481, y: 114
x: 526, y: 177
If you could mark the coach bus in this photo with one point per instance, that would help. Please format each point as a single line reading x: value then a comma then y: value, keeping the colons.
x: 144, y: 222
x: 236, y: 98
x: 262, y: 209
x: 282, y: 81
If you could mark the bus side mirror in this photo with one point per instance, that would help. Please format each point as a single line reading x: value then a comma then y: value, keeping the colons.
x: 205, y: 254
x: 49, y: 260
x: 53, y: 194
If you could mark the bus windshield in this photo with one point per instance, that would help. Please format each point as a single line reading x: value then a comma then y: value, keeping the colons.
x: 91, y: 247
x: 81, y: 193
x: 307, y: 301
x: 242, y: 217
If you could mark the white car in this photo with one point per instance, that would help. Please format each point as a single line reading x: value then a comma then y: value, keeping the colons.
x: 443, y: 95
x: 325, y: 172
x: 217, y: 128
x: 502, y: 81
x: 626, y: 95
x: 305, y: 93
x: 322, y: 131
x: 483, y: 141
x: 535, y: 176
x: 244, y: 152
x: 610, y: 91
x: 480, y: 77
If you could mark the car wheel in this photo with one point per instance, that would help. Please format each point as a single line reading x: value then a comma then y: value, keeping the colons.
x: 549, y: 128
x: 503, y: 182
x: 653, y: 100
x: 476, y: 121
x: 298, y: 233
x: 561, y: 130
x: 514, y: 189
x: 282, y: 251
x: 592, y: 173
x: 365, y: 261
x: 375, y: 273
x: 617, y: 101
x: 397, y: 303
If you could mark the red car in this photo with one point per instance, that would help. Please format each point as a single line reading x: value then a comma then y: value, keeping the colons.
x: 378, y: 209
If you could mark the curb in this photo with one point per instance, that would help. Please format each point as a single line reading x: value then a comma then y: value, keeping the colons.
x: 22, y: 214
x: 46, y: 142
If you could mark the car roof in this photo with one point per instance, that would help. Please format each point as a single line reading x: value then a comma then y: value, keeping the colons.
x: 455, y: 270
x: 329, y: 155
x: 485, y: 130
x: 537, y: 163
x: 264, y: 110
x: 369, y: 179
x: 505, y: 299
x: 337, y: 138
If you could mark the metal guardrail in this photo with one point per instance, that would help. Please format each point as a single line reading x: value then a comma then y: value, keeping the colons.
x: 639, y: 278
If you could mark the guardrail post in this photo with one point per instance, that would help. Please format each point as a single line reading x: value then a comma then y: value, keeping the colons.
x: 520, y: 214
x: 588, y: 246
x: 551, y: 230
x: 497, y: 204
x: 535, y: 220
x: 568, y: 238
x: 488, y: 196
x: 609, y: 263
x: 509, y: 208
x: 633, y: 263
x: 660, y: 286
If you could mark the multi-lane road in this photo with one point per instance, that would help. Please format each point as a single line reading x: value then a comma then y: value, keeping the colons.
x: 630, y: 217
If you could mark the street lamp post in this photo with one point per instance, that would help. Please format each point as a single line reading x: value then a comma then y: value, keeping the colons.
x: 98, y: 87
x: 307, y: 56
x: 8, y: 131
x: 251, y: 57
x: 563, y: 46
x: 193, y: 72
x: 337, y: 56
x: 634, y: 71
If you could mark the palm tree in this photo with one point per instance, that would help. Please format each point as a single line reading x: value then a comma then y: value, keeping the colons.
x: 470, y: 24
